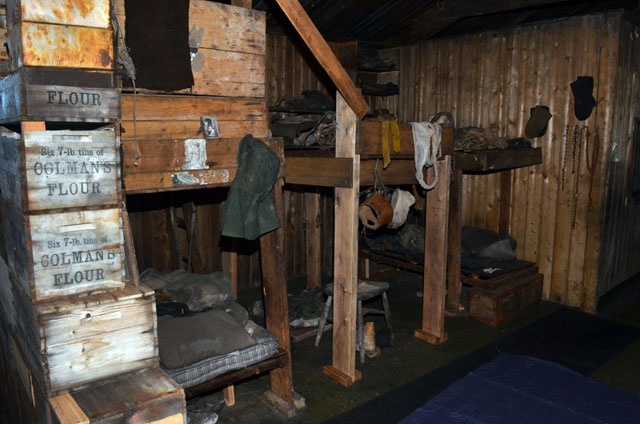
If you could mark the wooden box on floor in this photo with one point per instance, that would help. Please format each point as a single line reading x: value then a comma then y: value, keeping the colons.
x: 501, y: 304
x: 173, y: 152
x: 60, y: 34
x: 59, y: 95
x: 75, y: 341
x: 142, y: 397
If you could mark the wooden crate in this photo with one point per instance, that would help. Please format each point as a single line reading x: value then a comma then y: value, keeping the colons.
x: 168, y: 129
x: 64, y: 253
x: 38, y: 44
x: 228, y: 45
x: 75, y: 341
x: 60, y: 33
x: 144, y: 397
x: 88, y: 13
x: 60, y: 95
x: 45, y: 170
x: 499, y: 305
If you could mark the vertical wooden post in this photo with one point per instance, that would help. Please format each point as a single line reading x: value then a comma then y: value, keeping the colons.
x: 313, y: 239
x: 129, y: 247
x: 435, y: 257
x: 505, y: 201
x: 230, y: 265
x: 345, y: 262
x: 274, y: 284
x: 454, y: 284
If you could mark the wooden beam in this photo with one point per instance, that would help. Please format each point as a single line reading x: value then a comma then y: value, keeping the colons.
x: 273, y: 262
x: 129, y: 247
x: 464, y: 8
x: 435, y: 257
x: 313, y: 236
x: 369, y: 144
x: 345, y: 262
x: 280, y: 359
x: 324, y: 55
x: 319, y: 171
x: 497, y: 160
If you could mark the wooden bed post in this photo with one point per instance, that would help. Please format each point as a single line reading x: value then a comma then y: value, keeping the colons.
x: 435, y: 257
x: 313, y: 236
x: 345, y: 263
x: 273, y: 261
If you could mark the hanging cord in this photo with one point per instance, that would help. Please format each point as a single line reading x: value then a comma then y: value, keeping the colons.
x: 565, y: 139
x: 576, y: 188
x: 591, y: 166
x: 377, y: 181
x: 124, y: 59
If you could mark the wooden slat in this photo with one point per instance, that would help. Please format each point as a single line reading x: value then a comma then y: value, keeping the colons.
x: 505, y: 201
x: 323, y: 54
x: 435, y: 257
x: 163, y: 181
x: 67, y: 410
x: 158, y: 107
x: 313, y: 239
x: 345, y: 267
x: 320, y: 171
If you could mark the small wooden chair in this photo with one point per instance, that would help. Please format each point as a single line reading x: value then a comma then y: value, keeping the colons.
x: 366, y: 290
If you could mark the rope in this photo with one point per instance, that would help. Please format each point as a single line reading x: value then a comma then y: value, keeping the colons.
x: 427, y: 139
x: 565, y: 139
x: 124, y: 59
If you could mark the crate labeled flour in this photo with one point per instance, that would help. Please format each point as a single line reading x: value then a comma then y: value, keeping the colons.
x: 43, y: 170
x: 66, y: 253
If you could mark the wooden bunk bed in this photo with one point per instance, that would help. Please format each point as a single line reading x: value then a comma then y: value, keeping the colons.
x: 155, y: 131
x: 471, y: 162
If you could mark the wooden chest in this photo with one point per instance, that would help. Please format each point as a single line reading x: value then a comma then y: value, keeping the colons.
x: 72, y: 342
x: 143, y: 397
x: 64, y: 253
x: 44, y: 170
x: 173, y: 152
x: 60, y: 33
x: 59, y: 95
x: 503, y: 303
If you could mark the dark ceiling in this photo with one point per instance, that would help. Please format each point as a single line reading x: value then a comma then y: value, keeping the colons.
x: 400, y: 22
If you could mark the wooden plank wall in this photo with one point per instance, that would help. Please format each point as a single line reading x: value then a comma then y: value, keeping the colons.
x: 491, y: 80
x: 291, y: 69
x: 620, y: 258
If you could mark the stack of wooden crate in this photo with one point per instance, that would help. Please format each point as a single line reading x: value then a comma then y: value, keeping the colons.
x: 228, y: 45
x: 73, y: 323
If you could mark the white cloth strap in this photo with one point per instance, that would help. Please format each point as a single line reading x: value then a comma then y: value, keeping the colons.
x: 427, y: 149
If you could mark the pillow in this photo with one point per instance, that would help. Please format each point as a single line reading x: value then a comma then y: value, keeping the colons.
x: 187, y: 340
x: 200, y: 292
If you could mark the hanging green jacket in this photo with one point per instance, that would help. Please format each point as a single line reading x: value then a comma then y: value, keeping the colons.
x: 249, y: 211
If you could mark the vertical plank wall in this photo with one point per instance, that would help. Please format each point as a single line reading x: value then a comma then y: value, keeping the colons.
x: 620, y: 257
x: 491, y: 80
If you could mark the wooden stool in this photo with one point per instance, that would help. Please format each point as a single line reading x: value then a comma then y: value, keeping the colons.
x: 366, y: 290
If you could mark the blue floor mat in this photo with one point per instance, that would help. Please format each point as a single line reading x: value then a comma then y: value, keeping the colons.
x: 522, y: 389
